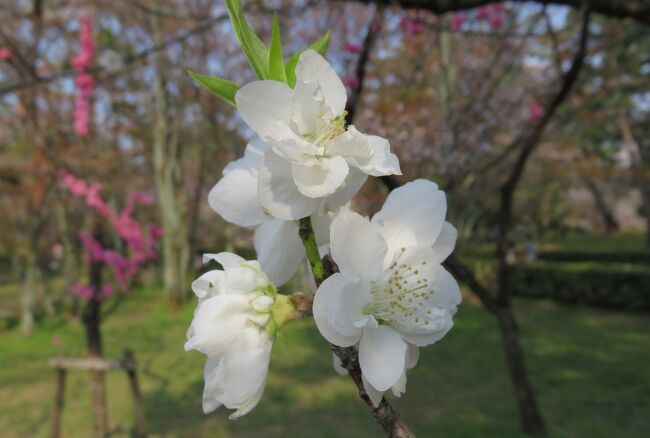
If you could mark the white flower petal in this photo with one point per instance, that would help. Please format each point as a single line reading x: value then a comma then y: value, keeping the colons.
x: 210, y: 404
x: 400, y: 387
x: 337, y: 305
x: 311, y: 65
x: 321, y: 178
x: 239, y: 378
x: 278, y: 192
x: 412, y: 215
x: 383, y: 161
x: 244, y: 278
x: 353, y: 183
x: 296, y: 150
x: 234, y: 197
x: 321, y: 222
x: 412, y: 356
x: 440, y: 322
x: 265, y: 106
x: 353, y: 145
x: 209, y: 284
x: 279, y: 249
x: 369, y: 153
x: 382, y: 356
x: 225, y: 259
x: 446, y: 242
x: 446, y: 291
x: 308, y: 101
x: 217, y: 321
x: 374, y: 394
x: 357, y: 245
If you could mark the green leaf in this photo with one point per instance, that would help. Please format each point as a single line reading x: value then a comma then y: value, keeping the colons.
x: 320, y: 46
x: 276, y: 60
x: 254, y: 49
x: 223, y: 88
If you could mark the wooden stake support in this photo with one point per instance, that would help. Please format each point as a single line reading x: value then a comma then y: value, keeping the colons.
x: 97, y: 364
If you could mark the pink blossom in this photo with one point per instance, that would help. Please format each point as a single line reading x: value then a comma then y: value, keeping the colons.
x: 140, y: 240
x: 410, y: 26
x: 351, y: 81
x: 493, y: 14
x: 76, y: 186
x: 352, y: 48
x: 535, y: 111
x: 457, y: 21
x: 5, y: 53
x: 82, y: 291
x: 84, y: 80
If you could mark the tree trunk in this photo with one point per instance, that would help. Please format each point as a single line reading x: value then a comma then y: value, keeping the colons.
x: 609, y: 220
x: 169, y: 185
x: 529, y: 416
x: 92, y: 320
x: 646, y: 213
x: 27, y: 294
x: 68, y: 260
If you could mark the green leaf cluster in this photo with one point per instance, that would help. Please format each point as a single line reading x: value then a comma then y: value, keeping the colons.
x: 266, y: 62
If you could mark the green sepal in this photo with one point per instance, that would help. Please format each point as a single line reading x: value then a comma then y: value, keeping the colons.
x: 276, y: 60
x: 223, y: 88
x: 282, y: 311
x: 254, y: 49
x: 320, y: 46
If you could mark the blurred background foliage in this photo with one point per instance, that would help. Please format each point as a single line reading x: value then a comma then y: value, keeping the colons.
x: 451, y: 91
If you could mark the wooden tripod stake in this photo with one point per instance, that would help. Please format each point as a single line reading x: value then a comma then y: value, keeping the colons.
x: 97, y: 365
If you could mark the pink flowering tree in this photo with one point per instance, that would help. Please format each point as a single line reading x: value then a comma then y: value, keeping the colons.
x: 140, y: 242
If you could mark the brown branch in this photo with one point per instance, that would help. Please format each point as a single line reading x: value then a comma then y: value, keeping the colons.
x: 101, y: 74
x: 527, y: 142
x: 638, y: 10
x: 532, y: 137
x: 372, y: 34
x: 384, y: 414
x: 465, y: 275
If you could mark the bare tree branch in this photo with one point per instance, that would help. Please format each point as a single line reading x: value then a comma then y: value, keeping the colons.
x: 638, y: 10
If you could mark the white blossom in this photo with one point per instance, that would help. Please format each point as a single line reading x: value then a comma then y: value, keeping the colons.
x: 313, y: 157
x: 238, y: 313
x: 277, y: 243
x: 391, y: 291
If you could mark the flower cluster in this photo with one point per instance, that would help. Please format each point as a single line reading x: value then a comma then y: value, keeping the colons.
x: 410, y: 26
x: 492, y: 14
x: 391, y: 295
x: 238, y: 313
x: 141, y: 241
x: 5, y: 54
x: 84, y: 81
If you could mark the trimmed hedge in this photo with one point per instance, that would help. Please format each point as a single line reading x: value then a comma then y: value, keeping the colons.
x: 606, y: 286
x: 590, y: 256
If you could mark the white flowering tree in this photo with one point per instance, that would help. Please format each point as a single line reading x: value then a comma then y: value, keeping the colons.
x: 380, y: 292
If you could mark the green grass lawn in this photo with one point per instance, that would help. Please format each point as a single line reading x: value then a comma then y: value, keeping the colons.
x: 590, y: 368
